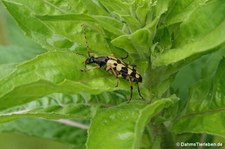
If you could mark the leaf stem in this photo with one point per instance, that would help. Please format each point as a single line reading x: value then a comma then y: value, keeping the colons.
x: 72, y: 123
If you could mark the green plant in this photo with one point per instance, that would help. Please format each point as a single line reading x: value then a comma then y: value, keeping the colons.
x: 169, y: 41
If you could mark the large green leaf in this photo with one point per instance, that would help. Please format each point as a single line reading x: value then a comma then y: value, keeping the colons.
x: 67, y: 111
x: 205, y: 110
x: 39, y: 70
x: 122, y: 126
x: 181, y: 10
x: 197, y: 34
x: 72, y: 28
x: 29, y: 24
x: 15, y: 54
x: 54, y: 27
x: 123, y: 11
x: 59, y: 28
x: 47, y: 74
x: 25, y: 13
x: 18, y: 47
x: 138, y: 42
x: 5, y: 69
x: 61, y: 106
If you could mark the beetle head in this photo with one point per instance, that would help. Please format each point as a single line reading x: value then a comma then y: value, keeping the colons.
x: 89, y: 60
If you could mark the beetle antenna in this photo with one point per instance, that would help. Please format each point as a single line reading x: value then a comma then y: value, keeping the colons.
x: 124, y: 57
x: 85, y: 37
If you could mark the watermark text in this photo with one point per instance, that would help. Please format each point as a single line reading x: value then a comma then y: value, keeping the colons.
x: 198, y: 144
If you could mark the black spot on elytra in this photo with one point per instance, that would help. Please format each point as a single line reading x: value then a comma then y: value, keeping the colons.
x: 118, y: 61
x: 124, y: 72
x: 115, y: 64
x: 133, y: 74
x: 139, y: 79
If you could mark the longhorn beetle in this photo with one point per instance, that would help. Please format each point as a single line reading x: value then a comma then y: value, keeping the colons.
x: 117, y: 67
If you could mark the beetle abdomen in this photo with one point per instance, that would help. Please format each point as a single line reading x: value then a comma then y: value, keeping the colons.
x: 121, y: 69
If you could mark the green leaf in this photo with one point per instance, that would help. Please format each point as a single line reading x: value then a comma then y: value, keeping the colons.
x: 71, y: 27
x: 16, y: 37
x: 5, y: 69
x: 47, y: 74
x: 142, y: 40
x: 161, y: 7
x: 60, y: 106
x: 198, y: 26
x: 205, y: 110
x: 46, y: 129
x: 56, y: 29
x: 138, y: 42
x: 125, y: 124
x: 181, y: 10
x: 41, y: 71
x: 18, y: 47
x: 110, y: 24
x: 197, y: 35
x: 211, y: 90
x: 116, y: 7
x: 15, y: 54
x: 124, y: 42
x: 142, y: 11
x: 26, y: 14
x: 67, y: 111
x: 32, y: 27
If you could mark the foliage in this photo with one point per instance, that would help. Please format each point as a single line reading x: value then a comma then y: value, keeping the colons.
x: 176, y: 45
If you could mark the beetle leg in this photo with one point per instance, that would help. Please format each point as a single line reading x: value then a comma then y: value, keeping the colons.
x: 124, y: 57
x: 139, y: 92
x: 131, y: 90
x: 117, y: 79
x: 108, y: 68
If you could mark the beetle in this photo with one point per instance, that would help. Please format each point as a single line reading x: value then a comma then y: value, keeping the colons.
x: 118, y: 68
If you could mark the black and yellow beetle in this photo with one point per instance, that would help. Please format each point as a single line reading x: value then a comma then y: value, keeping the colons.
x: 118, y: 68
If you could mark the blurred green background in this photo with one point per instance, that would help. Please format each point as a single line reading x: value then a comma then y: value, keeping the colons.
x: 19, y: 141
